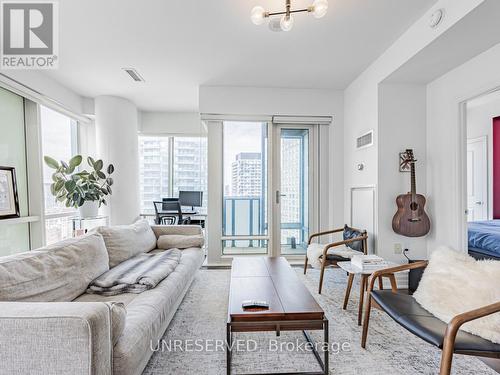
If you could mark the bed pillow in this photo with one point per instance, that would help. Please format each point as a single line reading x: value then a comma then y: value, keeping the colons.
x: 176, y: 241
x: 454, y: 283
x: 125, y: 241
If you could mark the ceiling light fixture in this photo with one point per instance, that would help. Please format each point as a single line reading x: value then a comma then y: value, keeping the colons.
x: 318, y: 9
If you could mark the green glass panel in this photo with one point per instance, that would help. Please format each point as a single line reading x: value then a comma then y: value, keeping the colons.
x: 14, y: 238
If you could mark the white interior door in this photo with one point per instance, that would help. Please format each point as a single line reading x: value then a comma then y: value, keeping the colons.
x: 295, y: 212
x: 477, y: 179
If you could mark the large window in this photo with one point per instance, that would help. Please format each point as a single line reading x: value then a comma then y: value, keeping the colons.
x: 169, y: 165
x: 59, y: 141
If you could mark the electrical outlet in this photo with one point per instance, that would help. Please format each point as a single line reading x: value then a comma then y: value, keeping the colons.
x: 398, y: 248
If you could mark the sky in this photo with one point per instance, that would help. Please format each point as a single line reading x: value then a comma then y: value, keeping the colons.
x: 240, y: 137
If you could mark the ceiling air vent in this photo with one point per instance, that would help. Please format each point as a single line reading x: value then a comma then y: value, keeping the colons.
x: 366, y: 140
x: 134, y: 74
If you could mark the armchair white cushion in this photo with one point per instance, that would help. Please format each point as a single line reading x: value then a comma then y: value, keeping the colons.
x: 315, y: 251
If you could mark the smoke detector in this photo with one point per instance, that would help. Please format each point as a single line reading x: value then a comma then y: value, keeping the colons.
x: 436, y: 18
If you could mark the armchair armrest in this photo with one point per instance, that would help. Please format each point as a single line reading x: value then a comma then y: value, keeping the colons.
x: 318, y: 234
x: 461, y: 319
x: 55, y: 338
x: 454, y: 325
x: 392, y: 270
x: 186, y: 230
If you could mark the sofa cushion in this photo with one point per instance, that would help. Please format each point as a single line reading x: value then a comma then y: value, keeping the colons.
x: 125, y: 241
x: 56, y: 273
x: 454, y: 283
x: 177, y: 241
x: 149, y: 314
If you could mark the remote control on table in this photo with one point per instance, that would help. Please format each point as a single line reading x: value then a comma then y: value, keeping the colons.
x: 252, y: 304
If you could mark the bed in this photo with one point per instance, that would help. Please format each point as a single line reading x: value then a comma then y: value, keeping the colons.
x: 484, y: 239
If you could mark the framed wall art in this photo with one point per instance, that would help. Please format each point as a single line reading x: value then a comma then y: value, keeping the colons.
x: 9, y: 200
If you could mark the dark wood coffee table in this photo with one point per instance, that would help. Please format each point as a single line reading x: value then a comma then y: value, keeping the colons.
x: 291, y: 306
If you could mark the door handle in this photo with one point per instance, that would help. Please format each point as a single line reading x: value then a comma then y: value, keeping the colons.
x: 479, y: 203
x: 278, y: 196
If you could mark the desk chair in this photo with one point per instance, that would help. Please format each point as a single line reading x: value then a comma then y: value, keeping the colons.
x: 169, y: 212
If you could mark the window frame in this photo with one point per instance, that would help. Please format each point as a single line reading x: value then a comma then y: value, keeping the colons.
x: 76, y: 141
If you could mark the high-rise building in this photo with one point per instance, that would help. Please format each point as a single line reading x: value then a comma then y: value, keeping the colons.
x: 246, y: 175
x: 190, y: 164
x: 164, y: 173
x: 154, y: 171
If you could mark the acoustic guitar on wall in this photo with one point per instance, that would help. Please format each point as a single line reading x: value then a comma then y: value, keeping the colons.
x: 411, y: 220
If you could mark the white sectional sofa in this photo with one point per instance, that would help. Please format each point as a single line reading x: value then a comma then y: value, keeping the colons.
x: 48, y: 325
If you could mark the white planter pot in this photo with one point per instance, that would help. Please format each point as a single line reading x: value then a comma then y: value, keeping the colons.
x: 89, y: 209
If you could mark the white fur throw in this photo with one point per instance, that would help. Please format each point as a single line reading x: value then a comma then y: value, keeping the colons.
x: 454, y: 283
x: 315, y: 251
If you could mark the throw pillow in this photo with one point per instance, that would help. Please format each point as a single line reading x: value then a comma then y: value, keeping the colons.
x: 454, y: 283
x: 352, y: 233
x: 175, y: 241
x: 125, y: 241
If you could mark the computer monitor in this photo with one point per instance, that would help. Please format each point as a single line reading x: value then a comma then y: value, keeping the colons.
x: 191, y: 198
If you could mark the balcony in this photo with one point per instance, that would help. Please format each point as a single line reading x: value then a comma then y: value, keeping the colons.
x: 245, y: 228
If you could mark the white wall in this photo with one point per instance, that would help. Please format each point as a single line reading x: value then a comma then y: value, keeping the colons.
x: 402, y: 118
x: 361, y: 101
x: 171, y: 123
x: 446, y: 142
x: 116, y: 136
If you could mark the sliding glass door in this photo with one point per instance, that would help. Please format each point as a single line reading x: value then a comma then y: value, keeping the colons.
x: 294, y: 188
x: 266, y: 181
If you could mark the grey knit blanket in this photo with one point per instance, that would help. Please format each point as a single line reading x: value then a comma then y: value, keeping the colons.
x: 136, y: 274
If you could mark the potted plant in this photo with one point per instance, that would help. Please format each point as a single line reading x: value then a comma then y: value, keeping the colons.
x: 85, y: 190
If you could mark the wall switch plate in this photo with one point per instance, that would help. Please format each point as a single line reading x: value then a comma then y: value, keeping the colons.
x: 398, y: 248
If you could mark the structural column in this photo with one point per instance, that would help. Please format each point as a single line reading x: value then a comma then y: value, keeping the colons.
x: 116, y: 141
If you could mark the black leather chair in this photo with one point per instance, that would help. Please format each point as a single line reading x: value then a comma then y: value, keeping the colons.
x: 406, y: 311
x: 169, y: 212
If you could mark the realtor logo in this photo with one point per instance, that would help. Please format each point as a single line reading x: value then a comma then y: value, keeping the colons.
x: 29, y: 34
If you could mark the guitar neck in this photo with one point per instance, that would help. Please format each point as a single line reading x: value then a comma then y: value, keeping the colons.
x: 413, y: 182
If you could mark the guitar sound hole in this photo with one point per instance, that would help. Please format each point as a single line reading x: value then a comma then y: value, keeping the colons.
x: 413, y: 206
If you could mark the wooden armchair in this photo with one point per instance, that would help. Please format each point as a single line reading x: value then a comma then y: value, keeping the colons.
x: 408, y: 313
x: 329, y: 259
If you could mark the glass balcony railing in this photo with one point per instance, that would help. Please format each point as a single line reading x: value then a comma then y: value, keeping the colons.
x: 244, y: 220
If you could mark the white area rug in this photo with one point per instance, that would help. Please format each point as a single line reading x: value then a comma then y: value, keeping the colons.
x: 203, y: 315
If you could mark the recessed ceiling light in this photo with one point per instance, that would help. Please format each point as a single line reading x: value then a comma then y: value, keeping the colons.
x: 134, y: 74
